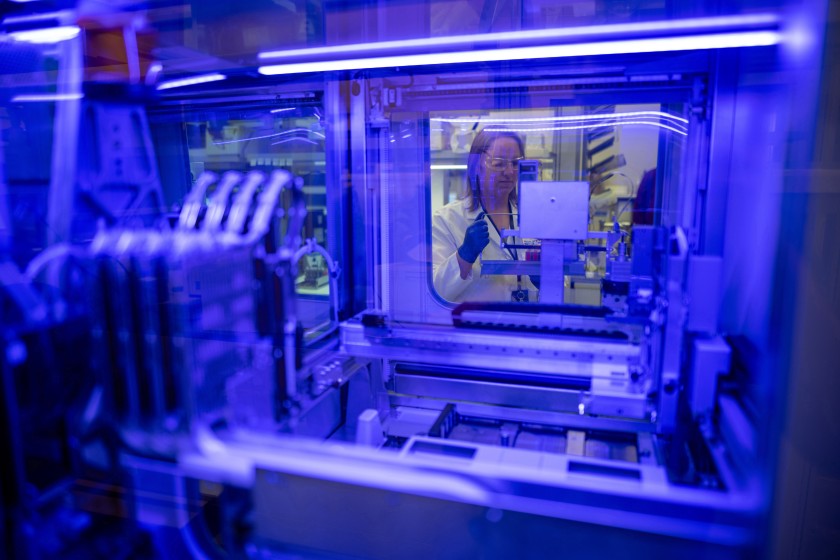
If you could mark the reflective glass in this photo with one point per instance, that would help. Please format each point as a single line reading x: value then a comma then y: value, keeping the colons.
x: 264, y: 139
x: 621, y: 152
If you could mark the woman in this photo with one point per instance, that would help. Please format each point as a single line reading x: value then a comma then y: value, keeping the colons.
x: 470, y: 227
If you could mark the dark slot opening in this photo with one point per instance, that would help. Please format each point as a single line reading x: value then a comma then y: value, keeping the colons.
x: 603, y: 470
x: 443, y: 449
x: 508, y: 377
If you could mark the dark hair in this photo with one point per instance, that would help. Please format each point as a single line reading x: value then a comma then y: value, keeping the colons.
x: 482, y: 142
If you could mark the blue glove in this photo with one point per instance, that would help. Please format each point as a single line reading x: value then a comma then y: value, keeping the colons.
x: 475, y: 239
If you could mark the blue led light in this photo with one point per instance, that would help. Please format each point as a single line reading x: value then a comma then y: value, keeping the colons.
x: 676, y: 27
x: 35, y: 97
x: 452, y: 166
x: 183, y: 82
x: 650, y: 45
x: 570, y: 118
x: 46, y: 36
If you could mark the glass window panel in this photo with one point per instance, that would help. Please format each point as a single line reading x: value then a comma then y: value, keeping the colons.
x: 265, y: 139
x: 34, y: 78
x: 615, y: 149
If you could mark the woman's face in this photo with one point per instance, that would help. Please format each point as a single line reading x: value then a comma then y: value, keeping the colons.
x: 499, y: 170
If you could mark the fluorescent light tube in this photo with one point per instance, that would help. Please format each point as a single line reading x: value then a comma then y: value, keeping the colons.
x: 600, y: 116
x: 202, y: 79
x: 568, y: 34
x: 34, y: 97
x: 446, y: 167
x: 46, y: 36
x: 657, y: 44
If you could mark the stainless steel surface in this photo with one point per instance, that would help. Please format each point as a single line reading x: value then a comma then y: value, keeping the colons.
x: 517, y: 414
x: 530, y: 268
x: 554, y: 256
x: 547, y: 320
x: 628, y: 405
x: 672, y: 341
x: 710, y: 357
x: 509, y: 267
x: 704, y: 293
x: 554, y: 209
x: 490, y: 477
x: 491, y: 349
x: 489, y: 393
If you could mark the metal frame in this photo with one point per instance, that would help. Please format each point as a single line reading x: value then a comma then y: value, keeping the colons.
x: 425, y: 306
x: 337, y: 158
x: 66, y: 135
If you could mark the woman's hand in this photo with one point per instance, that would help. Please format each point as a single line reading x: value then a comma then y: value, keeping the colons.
x: 476, y: 239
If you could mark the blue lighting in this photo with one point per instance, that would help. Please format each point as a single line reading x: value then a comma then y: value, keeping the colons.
x: 683, y: 27
x: 439, y: 289
x: 36, y: 97
x: 445, y: 167
x: 183, y: 82
x: 46, y: 36
x: 570, y: 118
x: 652, y: 45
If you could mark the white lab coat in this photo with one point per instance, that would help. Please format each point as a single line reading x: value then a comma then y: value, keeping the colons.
x: 449, y: 224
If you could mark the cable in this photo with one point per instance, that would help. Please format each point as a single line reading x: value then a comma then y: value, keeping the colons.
x: 59, y: 250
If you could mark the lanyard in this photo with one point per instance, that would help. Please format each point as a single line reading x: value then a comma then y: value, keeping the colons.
x: 512, y: 252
